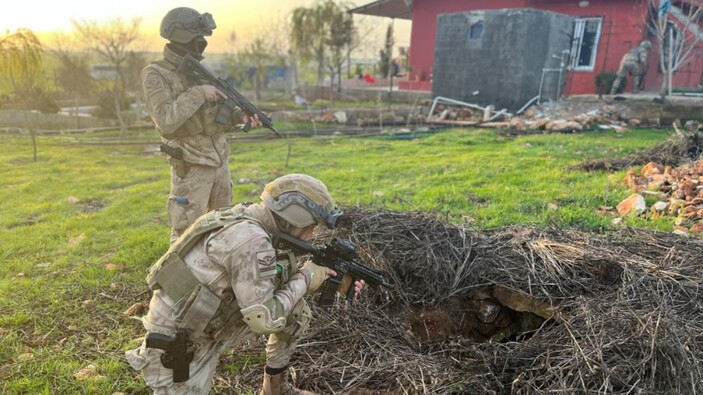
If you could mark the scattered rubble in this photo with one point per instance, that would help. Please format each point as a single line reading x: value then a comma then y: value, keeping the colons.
x: 679, y: 193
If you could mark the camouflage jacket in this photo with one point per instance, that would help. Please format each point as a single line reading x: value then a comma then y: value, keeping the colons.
x: 182, y: 116
x: 238, y: 262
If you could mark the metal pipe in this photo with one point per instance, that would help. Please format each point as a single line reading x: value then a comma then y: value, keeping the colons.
x: 529, y: 102
x: 541, y: 81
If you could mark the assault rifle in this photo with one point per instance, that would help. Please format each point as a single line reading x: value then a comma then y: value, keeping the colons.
x: 340, y: 256
x: 192, y: 69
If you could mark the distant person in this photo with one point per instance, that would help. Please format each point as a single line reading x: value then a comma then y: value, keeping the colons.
x: 634, y: 63
x: 184, y: 114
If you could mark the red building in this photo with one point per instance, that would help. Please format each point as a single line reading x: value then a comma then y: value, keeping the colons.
x: 604, y: 31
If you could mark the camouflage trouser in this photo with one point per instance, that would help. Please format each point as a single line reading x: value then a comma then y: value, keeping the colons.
x: 279, y: 350
x: 628, y: 68
x: 634, y: 70
x: 205, y: 188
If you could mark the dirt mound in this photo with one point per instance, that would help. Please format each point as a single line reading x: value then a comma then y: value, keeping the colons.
x: 679, y: 148
x: 615, y: 313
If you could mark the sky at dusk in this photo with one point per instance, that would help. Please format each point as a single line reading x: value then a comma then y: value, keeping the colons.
x: 246, y: 19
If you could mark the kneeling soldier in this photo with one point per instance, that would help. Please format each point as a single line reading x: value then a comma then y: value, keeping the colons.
x: 222, y: 283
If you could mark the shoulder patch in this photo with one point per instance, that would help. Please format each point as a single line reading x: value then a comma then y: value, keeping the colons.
x: 266, y: 263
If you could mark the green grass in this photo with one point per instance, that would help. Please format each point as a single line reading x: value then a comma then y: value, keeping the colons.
x: 59, y: 302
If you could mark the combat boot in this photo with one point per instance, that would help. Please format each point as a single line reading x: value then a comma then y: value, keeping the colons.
x: 278, y: 384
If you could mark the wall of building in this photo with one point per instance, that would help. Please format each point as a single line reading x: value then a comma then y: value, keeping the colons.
x: 623, y: 27
x: 505, y: 60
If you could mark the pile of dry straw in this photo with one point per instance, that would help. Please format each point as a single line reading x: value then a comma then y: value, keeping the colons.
x: 629, y: 316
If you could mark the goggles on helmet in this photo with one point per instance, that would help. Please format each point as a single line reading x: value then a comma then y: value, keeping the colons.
x: 318, y: 212
x: 204, y: 25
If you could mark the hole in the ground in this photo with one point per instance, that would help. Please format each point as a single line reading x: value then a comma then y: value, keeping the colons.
x: 493, y: 314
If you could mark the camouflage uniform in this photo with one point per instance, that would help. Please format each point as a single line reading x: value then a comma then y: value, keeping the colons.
x: 634, y: 63
x: 187, y: 122
x: 238, y: 264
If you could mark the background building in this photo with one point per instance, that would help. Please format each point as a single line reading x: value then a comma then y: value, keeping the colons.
x: 603, y: 31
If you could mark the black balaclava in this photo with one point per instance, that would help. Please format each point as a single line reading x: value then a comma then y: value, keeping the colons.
x: 195, y: 47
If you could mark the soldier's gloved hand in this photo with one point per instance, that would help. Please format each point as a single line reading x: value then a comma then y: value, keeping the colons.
x: 315, y: 275
x: 212, y: 93
x: 346, y: 282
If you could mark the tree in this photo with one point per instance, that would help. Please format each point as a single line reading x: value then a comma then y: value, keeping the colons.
x: 73, y: 72
x: 259, y: 55
x: 386, y: 53
x: 309, y: 34
x: 339, y: 37
x: 678, y: 32
x: 21, y: 62
x: 112, y: 41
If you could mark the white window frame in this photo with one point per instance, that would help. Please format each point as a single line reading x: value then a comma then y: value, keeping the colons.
x: 577, y: 42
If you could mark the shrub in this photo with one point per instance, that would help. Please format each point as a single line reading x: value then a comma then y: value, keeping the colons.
x: 106, y: 105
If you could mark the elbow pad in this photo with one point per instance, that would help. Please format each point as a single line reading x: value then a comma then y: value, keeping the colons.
x: 260, y: 318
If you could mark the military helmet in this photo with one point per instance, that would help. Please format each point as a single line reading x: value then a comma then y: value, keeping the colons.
x: 183, y: 24
x: 646, y: 44
x: 301, y: 201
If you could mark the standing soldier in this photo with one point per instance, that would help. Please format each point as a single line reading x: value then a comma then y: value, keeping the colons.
x: 222, y: 282
x: 184, y: 114
x: 635, y: 63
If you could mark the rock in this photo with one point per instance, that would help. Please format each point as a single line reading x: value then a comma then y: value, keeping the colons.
x: 621, y: 129
x: 340, y: 116
x: 570, y: 125
x: 244, y: 181
x: 517, y: 123
x: 529, y: 113
x: 697, y: 228
x: 552, y: 207
x: 688, y: 188
x: 633, y: 204
x: 73, y: 200
x: 539, y: 124
x: 617, y: 221
x: 464, y: 113
x: 519, y: 301
x: 635, y: 182
x: 633, y: 123
x: 652, y: 168
x: 660, y: 206
x: 680, y: 230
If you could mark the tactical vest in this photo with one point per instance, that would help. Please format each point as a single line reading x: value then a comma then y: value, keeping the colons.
x: 206, y: 114
x: 199, y: 309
